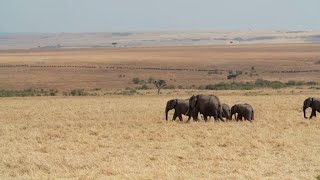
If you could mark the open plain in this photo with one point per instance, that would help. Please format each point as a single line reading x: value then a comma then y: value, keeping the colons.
x: 127, y: 137
x: 114, y: 68
x: 120, y: 136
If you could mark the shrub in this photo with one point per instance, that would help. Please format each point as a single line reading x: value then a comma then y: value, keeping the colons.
x: 317, y: 62
x: 53, y: 92
x: 128, y: 92
x: 144, y: 87
x: 27, y: 92
x: 136, y: 80
x: 259, y: 83
x: 78, y: 92
x: 213, y: 72
x: 150, y: 80
x: 272, y: 84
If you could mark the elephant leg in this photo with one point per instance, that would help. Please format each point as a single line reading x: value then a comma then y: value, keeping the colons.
x: 238, y: 117
x: 174, y: 116
x: 313, y: 113
x: 205, y: 117
x: 180, y: 117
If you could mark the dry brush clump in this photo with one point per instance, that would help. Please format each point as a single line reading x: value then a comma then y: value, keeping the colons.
x: 128, y: 137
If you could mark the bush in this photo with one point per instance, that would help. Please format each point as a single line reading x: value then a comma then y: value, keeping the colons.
x: 78, y: 92
x: 143, y: 87
x: 259, y: 83
x: 53, y: 92
x: 150, y: 80
x: 27, y: 92
x: 227, y: 86
x: 136, y: 80
x: 272, y: 84
x: 213, y: 72
x: 317, y: 62
x: 128, y: 92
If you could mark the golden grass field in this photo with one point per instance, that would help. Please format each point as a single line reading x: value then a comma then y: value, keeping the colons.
x: 120, y: 137
x: 127, y: 137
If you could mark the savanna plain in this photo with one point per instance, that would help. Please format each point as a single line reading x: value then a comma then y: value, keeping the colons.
x: 111, y: 136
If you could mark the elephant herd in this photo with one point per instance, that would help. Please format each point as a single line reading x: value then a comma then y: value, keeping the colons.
x: 210, y: 106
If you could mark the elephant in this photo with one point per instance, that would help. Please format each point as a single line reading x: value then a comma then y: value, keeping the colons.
x: 244, y: 111
x: 312, y: 102
x: 207, y: 105
x: 226, y: 112
x: 180, y: 107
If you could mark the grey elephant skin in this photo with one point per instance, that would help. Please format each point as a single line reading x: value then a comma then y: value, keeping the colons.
x: 226, y: 111
x: 207, y: 105
x: 180, y: 107
x: 312, y: 102
x: 244, y: 111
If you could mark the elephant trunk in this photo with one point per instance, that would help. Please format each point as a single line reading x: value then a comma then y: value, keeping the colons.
x: 167, y: 110
x: 229, y: 115
x: 304, y: 112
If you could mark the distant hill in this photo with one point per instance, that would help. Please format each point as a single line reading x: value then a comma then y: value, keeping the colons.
x: 151, y: 39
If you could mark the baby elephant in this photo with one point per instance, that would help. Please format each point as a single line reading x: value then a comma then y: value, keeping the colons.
x: 180, y: 106
x: 312, y: 102
x: 226, y: 112
x: 244, y: 111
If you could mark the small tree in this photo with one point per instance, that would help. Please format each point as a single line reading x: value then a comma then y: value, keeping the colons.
x: 160, y: 84
x: 114, y: 44
x: 232, y: 76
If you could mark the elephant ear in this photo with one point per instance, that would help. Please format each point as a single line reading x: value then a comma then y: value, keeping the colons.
x: 196, y: 97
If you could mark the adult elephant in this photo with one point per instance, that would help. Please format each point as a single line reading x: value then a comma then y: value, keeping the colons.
x: 226, y: 111
x: 312, y: 102
x: 244, y: 111
x: 205, y: 105
x: 180, y: 107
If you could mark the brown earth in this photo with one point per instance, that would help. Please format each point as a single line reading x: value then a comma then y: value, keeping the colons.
x: 101, y: 68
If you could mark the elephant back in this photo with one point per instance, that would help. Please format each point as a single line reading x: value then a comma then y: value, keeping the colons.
x: 209, y: 100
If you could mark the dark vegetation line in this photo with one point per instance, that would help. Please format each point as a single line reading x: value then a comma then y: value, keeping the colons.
x: 141, y: 68
x: 259, y: 83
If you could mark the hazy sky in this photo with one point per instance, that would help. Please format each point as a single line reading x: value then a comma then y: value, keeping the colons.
x: 145, y: 15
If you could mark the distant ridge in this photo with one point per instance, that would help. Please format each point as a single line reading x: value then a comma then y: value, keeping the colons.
x: 151, y: 39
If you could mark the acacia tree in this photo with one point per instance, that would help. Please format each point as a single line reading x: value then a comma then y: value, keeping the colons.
x: 159, y: 84
x: 232, y: 76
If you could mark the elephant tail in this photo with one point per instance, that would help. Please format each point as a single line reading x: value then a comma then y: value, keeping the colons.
x: 252, y: 117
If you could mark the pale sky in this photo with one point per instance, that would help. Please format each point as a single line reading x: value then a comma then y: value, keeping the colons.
x: 152, y: 15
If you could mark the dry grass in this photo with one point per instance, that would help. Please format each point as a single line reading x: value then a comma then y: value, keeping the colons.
x: 264, y: 57
x: 127, y: 137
